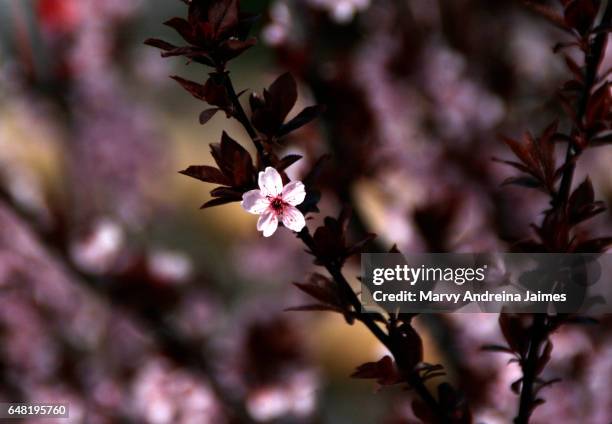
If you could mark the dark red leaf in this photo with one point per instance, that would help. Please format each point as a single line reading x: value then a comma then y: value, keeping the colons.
x: 234, y: 161
x: 358, y: 247
x: 572, y: 86
x: 315, y: 172
x: 594, y: 246
x: 182, y: 27
x: 227, y: 193
x: 523, y: 181
x: 544, y: 358
x: 223, y: 16
x: 256, y: 102
x: 315, y: 307
x: 568, y: 106
x: 548, y: 383
x: 217, y: 202
x: 215, y: 94
x: 562, y: 46
x: 282, y: 95
x: 537, y: 402
x: 521, y: 151
x: 600, y: 105
x: 287, y: 161
x: 207, y: 174
x: 546, y: 151
x: 384, y: 371
x: 497, y: 348
x: 580, y: 14
x: 322, y: 289
x: 574, y: 68
x: 239, y: 159
x: 513, y: 332
x: 193, y: 53
x: 207, y: 114
x: 231, y: 48
x: 195, y: 89
x: 245, y: 23
x: 582, y: 204
x: 602, y: 140
x: 304, y: 117
x: 516, y: 165
x: 407, y: 345
x: 160, y: 44
x: 547, y: 12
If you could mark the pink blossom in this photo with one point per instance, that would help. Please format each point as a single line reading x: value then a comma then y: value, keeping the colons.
x: 273, y: 202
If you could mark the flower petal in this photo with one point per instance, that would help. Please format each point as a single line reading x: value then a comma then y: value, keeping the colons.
x: 294, y: 193
x: 270, y: 182
x: 268, y: 222
x: 293, y: 219
x: 254, y: 202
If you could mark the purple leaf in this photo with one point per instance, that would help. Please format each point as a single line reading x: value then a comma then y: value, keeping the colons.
x: 206, y: 115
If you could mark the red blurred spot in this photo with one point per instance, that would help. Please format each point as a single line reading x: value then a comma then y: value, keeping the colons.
x: 59, y: 16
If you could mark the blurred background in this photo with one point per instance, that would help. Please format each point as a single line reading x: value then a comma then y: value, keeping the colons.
x: 121, y: 298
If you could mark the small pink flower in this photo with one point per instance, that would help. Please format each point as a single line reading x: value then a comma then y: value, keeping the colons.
x: 273, y: 202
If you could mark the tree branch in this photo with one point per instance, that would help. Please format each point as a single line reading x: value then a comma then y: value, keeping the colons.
x: 335, y: 270
x: 539, y: 330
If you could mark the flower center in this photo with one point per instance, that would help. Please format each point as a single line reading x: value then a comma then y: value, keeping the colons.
x: 277, y: 204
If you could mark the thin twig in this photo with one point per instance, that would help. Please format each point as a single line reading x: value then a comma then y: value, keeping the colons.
x: 241, y: 115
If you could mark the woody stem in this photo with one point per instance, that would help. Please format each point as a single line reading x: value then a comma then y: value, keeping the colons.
x: 241, y: 115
